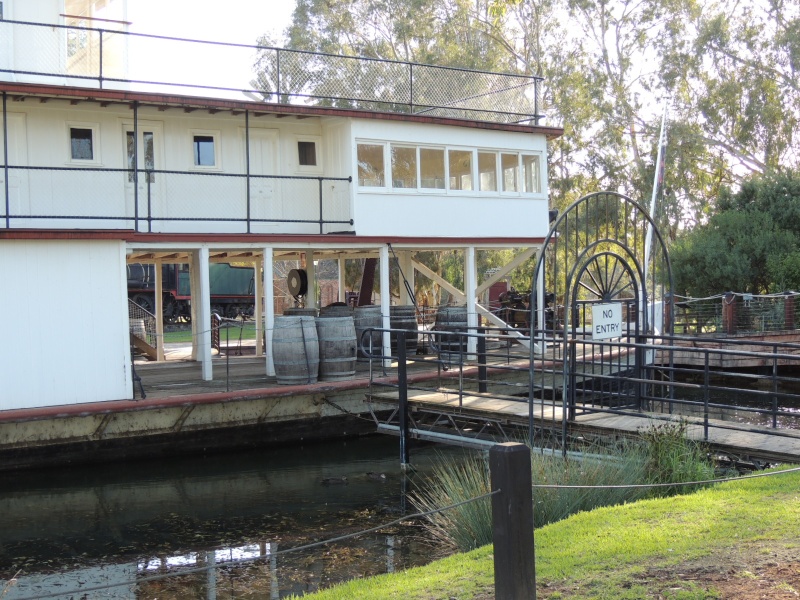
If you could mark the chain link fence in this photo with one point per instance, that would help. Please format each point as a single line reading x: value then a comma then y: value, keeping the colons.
x: 68, y: 55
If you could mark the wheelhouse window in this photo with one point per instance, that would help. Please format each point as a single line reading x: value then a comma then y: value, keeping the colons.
x: 81, y: 143
x: 307, y: 154
x: 371, y: 170
x: 431, y: 167
x: 532, y: 174
x: 487, y: 171
x: 509, y: 166
x: 404, y: 167
x: 460, y: 163
x: 204, y: 151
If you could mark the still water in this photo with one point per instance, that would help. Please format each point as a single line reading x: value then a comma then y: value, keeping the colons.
x: 66, y: 531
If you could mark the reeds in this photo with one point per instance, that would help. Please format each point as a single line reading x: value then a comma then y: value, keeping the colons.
x: 661, y: 454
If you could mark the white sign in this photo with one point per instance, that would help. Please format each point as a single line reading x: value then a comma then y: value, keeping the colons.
x: 606, y: 321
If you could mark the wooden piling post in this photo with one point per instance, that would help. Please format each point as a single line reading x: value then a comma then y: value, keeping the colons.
x: 788, y: 311
x: 512, y: 522
x: 729, y: 313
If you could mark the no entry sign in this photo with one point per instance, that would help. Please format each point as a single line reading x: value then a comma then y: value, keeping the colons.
x: 606, y: 321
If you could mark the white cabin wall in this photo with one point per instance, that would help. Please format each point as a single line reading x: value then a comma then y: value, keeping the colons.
x: 451, y: 214
x: 204, y: 193
x: 66, y: 332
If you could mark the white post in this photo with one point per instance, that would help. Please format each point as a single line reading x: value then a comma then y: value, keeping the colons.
x: 470, y: 290
x: 269, y: 307
x: 386, y: 301
x: 342, y: 287
x: 311, y: 273
x: 159, y: 311
x: 407, y: 272
x: 258, y: 312
x: 201, y: 297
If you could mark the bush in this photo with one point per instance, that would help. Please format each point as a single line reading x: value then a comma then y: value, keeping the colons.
x: 662, y: 454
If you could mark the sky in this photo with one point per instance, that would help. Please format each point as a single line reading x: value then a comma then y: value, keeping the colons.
x: 240, y: 21
x: 234, y: 21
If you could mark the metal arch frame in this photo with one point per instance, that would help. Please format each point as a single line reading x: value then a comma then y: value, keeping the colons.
x: 623, y: 230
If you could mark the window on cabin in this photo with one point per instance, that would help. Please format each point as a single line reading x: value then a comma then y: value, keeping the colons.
x: 204, y: 152
x: 431, y: 167
x: 460, y: 163
x: 487, y: 171
x: 307, y: 153
x: 81, y: 143
x: 404, y: 167
x: 370, y: 165
x: 509, y: 165
x: 148, y: 151
x: 532, y: 176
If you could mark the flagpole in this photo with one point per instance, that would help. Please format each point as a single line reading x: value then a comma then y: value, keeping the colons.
x: 657, y: 181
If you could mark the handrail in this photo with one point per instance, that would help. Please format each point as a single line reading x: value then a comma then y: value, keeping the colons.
x: 145, y: 210
x: 452, y: 92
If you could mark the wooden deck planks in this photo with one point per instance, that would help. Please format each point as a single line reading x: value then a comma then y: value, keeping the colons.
x: 756, y: 442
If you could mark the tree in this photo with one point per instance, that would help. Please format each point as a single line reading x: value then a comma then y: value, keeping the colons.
x: 751, y: 244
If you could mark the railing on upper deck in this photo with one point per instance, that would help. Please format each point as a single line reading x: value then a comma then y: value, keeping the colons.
x: 167, y: 201
x: 109, y: 59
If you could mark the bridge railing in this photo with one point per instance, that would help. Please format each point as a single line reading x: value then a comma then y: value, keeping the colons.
x: 712, y: 384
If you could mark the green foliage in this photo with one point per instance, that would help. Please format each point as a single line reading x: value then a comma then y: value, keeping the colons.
x: 621, y: 552
x: 672, y: 457
x: 662, y: 454
x: 750, y: 245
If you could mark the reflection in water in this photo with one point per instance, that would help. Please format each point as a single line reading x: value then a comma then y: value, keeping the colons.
x: 96, y: 526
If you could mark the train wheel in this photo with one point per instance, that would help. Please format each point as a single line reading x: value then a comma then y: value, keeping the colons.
x: 146, y: 302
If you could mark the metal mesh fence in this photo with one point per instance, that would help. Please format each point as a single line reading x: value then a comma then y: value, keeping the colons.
x: 736, y: 313
x: 142, y: 323
x: 113, y: 59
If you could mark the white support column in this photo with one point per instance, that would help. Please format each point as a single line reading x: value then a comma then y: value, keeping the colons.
x: 470, y: 290
x: 269, y: 307
x: 201, y: 303
x: 158, y: 270
x: 386, y: 301
x: 311, y: 273
x: 342, y: 287
x: 407, y: 270
x: 258, y: 312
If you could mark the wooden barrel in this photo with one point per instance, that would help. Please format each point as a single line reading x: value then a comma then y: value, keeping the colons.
x: 336, y: 310
x: 295, y: 350
x: 138, y: 329
x: 300, y: 312
x: 451, y: 319
x: 337, y: 348
x: 368, y: 317
x: 404, y: 317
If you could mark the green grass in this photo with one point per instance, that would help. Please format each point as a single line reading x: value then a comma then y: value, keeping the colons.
x: 248, y: 332
x: 606, y: 470
x: 606, y: 553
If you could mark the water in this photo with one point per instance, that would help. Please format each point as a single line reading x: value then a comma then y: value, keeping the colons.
x: 119, y: 523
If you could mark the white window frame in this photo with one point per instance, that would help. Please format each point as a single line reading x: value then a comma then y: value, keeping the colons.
x: 390, y: 174
x: 473, y: 169
x: 387, y: 167
x: 95, y: 129
x: 308, y: 169
x: 215, y: 135
x: 427, y: 190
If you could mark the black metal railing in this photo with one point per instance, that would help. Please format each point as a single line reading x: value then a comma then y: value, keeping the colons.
x: 156, y: 200
x: 104, y: 58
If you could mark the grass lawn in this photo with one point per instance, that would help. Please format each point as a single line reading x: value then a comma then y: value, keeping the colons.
x: 248, y: 332
x: 734, y: 540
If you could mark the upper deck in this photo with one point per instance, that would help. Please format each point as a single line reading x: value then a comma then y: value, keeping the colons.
x: 100, y: 133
